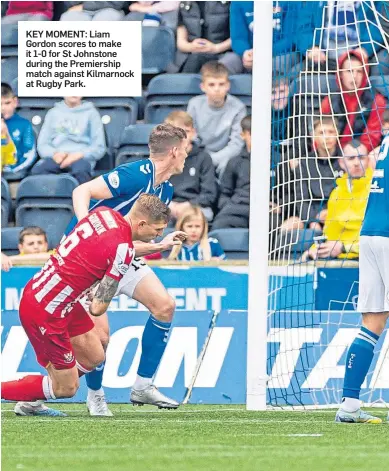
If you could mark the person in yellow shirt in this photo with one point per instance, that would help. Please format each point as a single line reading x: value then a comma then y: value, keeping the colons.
x: 8, y: 148
x: 346, y: 207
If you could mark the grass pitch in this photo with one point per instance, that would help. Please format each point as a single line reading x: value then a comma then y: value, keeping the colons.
x: 211, y: 438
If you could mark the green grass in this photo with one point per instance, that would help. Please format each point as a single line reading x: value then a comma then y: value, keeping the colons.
x: 211, y: 438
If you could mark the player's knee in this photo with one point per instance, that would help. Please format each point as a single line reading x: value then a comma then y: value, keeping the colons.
x: 104, y: 339
x: 375, y: 322
x: 165, y: 310
x: 66, y: 390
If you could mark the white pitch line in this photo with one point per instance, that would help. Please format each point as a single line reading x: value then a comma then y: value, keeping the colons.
x: 304, y: 435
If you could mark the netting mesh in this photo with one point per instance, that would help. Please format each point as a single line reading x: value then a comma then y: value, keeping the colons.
x: 329, y: 103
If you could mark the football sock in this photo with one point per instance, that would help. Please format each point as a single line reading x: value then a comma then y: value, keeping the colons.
x: 142, y: 383
x: 359, y: 358
x: 94, y: 379
x: 154, y: 341
x: 29, y: 388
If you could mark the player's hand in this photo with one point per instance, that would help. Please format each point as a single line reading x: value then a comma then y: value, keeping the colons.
x: 247, y: 59
x: 58, y: 157
x: 172, y: 239
x: 71, y: 158
x: 6, y: 263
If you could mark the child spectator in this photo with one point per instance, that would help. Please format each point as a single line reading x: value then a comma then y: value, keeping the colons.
x: 234, y: 201
x: 373, y: 156
x: 93, y: 11
x: 346, y: 207
x: 217, y: 116
x: 71, y: 140
x: 198, y: 246
x: 33, y: 245
x: 196, y: 185
x: 358, y: 109
x: 27, y: 11
x: 8, y: 148
x: 315, y: 177
x: 164, y: 13
x: 203, y: 34
x: 18, y: 130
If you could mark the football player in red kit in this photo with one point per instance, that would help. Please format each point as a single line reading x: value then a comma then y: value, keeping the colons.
x: 98, y: 250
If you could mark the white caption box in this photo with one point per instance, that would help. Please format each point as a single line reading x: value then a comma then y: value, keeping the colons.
x: 80, y: 58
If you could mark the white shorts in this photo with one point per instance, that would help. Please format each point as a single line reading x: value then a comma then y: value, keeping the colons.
x: 138, y: 270
x: 373, y: 274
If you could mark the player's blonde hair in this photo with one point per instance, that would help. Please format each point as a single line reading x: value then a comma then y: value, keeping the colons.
x: 152, y: 208
x: 192, y: 213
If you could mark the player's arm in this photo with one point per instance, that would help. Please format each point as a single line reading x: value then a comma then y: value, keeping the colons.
x: 103, y: 296
x: 82, y: 195
x: 146, y: 248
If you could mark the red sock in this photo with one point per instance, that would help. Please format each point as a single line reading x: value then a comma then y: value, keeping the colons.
x: 29, y: 388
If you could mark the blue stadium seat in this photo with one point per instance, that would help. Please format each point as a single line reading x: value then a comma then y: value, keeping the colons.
x: 134, y: 143
x: 9, y: 41
x: 46, y: 201
x: 9, y: 72
x: 170, y: 92
x: 10, y: 240
x: 116, y: 114
x: 35, y: 110
x: 235, y: 242
x: 241, y: 86
x: 381, y: 84
x: 158, y: 49
x: 6, y: 203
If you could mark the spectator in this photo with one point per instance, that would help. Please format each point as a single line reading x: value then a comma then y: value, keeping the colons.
x: 284, y: 32
x: 93, y: 11
x: 217, y: 116
x: 373, y: 156
x: 346, y: 207
x: 315, y: 178
x: 164, y: 13
x: 198, y: 246
x: 33, y: 245
x: 358, y: 109
x: 71, y: 139
x: 17, y: 130
x: 234, y: 201
x: 196, y: 185
x: 27, y: 11
x: 8, y: 149
x: 325, y: 30
x: 281, y: 107
x: 203, y: 34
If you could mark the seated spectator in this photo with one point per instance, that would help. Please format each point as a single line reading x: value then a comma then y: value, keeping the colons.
x: 27, y: 11
x: 33, y: 245
x: 196, y: 185
x: 164, y: 13
x: 8, y: 148
x: 93, y: 11
x: 234, y: 201
x: 315, y: 178
x: 345, y: 26
x: 71, y: 140
x: 198, y: 246
x: 203, y: 34
x: 373, y: 156
x: 346, y: 207
x: 284, y: 32
x: 358, y: 109
x: 18, y: 135
x: 217, y: 116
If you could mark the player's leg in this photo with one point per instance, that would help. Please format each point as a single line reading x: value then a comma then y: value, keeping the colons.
x: 146, y: 288
x: 373, y: 304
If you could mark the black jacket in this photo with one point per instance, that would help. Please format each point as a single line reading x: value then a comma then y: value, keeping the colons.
x: 235, y: 183
x: 212, y: 24
x: 197, y: 183
x: 314, y: 180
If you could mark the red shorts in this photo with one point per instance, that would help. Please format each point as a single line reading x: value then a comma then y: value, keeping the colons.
x: 50, y: 336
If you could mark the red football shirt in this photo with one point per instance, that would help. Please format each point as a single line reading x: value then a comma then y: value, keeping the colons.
x: 99, y: 245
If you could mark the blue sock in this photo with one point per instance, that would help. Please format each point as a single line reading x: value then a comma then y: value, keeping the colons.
x: 153, y: 345
x: 359, y: 358
x: 94, y: 379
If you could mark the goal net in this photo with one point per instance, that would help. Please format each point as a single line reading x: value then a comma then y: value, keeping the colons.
x: 328, y: 113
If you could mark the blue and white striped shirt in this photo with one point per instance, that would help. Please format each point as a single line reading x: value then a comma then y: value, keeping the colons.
x: 194, y: 253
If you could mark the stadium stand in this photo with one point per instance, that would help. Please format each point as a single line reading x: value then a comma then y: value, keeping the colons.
x: 9, y: 72
x: 46, y: 200
x: 158, y: 49
x: 35, y: 110
x: 10, y: 240
x: 134, y: 143
x: 6, y: 202
x: 169, y: 92
x: 241, y: 86
x: 235, y: 242
x: 9, y: 41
